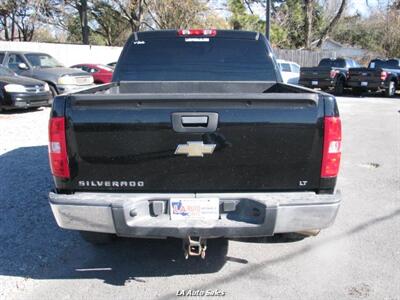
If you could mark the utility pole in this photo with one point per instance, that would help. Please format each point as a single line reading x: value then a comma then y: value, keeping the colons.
x: 268, y: 19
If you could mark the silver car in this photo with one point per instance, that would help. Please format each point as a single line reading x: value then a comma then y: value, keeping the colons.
x: 44, y: 67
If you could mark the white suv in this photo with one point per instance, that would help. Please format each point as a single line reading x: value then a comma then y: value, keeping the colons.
x: 290, y: 71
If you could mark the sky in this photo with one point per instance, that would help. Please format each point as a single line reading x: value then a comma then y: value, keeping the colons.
x: 362, y: 7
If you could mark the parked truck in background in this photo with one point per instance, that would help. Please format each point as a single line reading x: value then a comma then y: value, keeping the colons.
x: 196, y: 138
x: 330, y: 75
x: 379, y: 76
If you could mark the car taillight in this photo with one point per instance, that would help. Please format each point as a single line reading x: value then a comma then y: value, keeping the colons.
x: 333, y: 73
x: 384, y: 75
x: 197, y: 32
x: 58, y: 148
x: 332, y: 147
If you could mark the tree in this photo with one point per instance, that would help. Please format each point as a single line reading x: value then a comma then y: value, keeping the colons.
x: 108, y: 23
x: 288, y: 24
x: 332, y: 24
x: 171, y: 14
x: 81, y: 6
x: 133, y: 11
x: 83, y: 15
x: 241, y: 19
x: 308, y: 19
x: 60, y: 13
x: 294, y: 24
x: 378, y: 32
x: 18, y: 20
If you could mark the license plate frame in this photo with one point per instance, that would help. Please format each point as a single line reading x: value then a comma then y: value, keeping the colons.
x: 314, y: 82
x: 364, y: 83
x: 194, y: 208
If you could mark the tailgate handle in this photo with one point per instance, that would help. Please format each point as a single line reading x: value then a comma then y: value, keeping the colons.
x: 194, y: 121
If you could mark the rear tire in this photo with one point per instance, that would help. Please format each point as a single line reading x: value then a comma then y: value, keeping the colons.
x: 339, y: 86
x: 97, y: 238
x: 53, y: 91
x: 391, y: 90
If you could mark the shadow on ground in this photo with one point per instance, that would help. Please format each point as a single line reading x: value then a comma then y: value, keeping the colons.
x: 370, y: 95
x: 33, y: 246
x: 20, y: 111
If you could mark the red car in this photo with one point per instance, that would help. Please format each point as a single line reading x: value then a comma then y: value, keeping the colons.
x: 101, y: 73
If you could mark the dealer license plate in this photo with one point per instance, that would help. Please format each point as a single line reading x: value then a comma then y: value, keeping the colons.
x: 364, y: 83
x: 194, y: 208
x: 314, y: 82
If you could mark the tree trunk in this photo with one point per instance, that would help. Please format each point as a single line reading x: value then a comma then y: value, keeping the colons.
x: 84, y: 22
x: 308, y: 9
x: 332, y: 24
x: 5, y: 25
x: 12, y: 27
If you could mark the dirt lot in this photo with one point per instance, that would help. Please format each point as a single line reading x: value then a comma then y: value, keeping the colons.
x: 357, y: 258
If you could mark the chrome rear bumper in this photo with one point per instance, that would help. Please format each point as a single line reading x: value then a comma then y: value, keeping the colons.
x: 241, y: 214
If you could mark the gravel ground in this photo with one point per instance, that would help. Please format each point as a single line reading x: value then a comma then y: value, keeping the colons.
x: 357, y: 258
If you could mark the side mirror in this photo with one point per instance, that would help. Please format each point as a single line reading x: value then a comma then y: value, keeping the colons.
x: 23, y: 66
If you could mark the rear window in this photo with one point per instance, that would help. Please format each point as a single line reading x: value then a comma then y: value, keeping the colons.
x: 375, y: 64
x: 333, y: 63
x: 201, y: 59
x: 295, y: 68
x: 285, y: 67
x: 353, y: 64
x: 394, y: 63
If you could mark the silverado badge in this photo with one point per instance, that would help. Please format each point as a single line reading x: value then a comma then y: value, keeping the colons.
x: 195, y: 149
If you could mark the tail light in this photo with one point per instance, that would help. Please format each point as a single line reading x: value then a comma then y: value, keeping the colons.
x: 384, y: 75
x: 332, y: 147
x: 333, y: 73
x: 197, y: 32
x: 58, y: 148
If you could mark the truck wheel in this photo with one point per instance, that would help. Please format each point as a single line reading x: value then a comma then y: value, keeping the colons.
x: 53, y: 91
x: 391, y: 90
x: 97, y: 238
x: 339, y: 86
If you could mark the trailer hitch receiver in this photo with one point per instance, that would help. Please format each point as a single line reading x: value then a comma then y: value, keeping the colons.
x: 194, y: 246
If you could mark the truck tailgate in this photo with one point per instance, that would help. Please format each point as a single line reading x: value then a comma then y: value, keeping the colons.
x: 365, y: 75
x: 315, y: 73
x: 127, y: 142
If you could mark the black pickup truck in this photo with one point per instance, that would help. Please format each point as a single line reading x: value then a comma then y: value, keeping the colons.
x: 196, y: 138
x: 329, y: 75
x: 380, y: 76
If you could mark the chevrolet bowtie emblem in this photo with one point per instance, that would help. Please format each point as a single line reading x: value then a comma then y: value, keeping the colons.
x: 195, y: 149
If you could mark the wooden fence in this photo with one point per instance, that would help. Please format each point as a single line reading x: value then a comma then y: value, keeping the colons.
x: 305, y: 58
